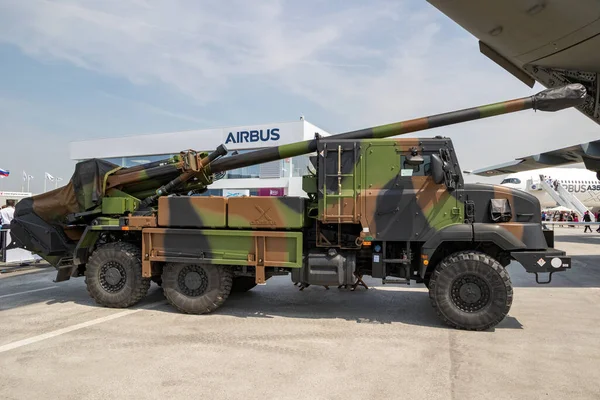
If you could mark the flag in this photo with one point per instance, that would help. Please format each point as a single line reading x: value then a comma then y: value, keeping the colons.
x: 30, y: 177
x: 49, y: 177
x: 58, y: 179
x: 4, y: 173
x: 24, y: 177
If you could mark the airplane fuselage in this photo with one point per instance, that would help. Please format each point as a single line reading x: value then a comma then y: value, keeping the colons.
x: 581, y: 183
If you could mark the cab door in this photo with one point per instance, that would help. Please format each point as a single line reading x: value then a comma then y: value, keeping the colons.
x: 403, y: 203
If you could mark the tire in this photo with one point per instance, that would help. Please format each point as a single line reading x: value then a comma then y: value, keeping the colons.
x: 470, y: 290
x: 113, y: 275
x: 242, y: 284
x: 196, y: 288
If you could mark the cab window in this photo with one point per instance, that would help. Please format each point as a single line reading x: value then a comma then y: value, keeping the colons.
x: 415, y: 170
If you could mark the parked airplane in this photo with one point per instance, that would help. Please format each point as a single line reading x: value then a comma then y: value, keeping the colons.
x: 553, y: 42
x: 583, y: 184
x: 579, y: 182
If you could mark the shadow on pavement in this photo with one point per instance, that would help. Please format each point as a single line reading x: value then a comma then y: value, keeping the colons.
x: 373, y: 306
x: 279, y: 298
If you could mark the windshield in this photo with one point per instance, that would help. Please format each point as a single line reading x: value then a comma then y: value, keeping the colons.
x: 511, y: 180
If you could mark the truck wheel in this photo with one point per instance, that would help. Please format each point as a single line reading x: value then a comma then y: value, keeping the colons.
x: 470, y: 290
x: 242, y: 284
x: 113, y: 275
x: 196, y: 288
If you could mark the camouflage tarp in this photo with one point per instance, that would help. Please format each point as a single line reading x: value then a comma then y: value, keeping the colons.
x: 83, y: 192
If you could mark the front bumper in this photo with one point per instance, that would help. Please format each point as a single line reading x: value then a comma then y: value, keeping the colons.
x: 543, y: 261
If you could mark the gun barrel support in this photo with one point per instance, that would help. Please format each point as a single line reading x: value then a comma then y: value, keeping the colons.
x: 202, y: 166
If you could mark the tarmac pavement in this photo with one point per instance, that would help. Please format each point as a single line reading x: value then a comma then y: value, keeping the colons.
x: 276, y: 342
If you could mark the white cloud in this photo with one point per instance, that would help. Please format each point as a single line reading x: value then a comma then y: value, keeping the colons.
x: 366, y: 64
x: 153, y: 109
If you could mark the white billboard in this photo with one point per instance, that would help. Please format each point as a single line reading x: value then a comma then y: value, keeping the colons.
x: 236, y: 192
x: 15, y: 194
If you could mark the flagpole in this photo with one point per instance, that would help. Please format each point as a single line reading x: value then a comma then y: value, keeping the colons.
x: 45, y: 179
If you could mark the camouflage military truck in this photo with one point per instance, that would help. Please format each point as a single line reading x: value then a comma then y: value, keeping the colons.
x: 391, y: 208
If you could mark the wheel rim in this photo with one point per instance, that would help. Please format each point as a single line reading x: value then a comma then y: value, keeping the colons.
x: 192, y: 281
x: 470, y: 293
x: 112, y: 277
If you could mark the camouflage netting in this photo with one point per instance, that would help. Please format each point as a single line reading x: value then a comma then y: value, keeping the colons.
x: 83, y: 192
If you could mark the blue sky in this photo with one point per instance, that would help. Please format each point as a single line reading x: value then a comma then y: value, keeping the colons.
x: 74, y: 70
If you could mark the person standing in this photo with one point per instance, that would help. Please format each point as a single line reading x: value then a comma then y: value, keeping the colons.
x: 587, y: 218
x: 6, y: 215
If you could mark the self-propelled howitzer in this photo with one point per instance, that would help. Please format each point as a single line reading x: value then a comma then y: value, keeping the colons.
x: 388, y: 208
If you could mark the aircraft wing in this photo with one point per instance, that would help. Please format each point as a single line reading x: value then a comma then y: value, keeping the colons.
x: 553, y: 42
x: 587, y: 153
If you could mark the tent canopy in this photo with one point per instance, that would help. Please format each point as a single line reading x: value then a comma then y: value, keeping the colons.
x: 559, y: 209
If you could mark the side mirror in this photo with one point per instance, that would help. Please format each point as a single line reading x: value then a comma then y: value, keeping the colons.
x: 437, y: 169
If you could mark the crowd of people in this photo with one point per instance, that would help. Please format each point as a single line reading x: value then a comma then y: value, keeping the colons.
x: 571, y: 216
x: 552, y: 182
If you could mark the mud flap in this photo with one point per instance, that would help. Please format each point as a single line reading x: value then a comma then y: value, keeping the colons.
x: 64, y: 273
x: 539, y: 262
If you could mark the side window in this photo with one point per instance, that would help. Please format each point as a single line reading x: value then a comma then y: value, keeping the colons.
x: 406, y: 169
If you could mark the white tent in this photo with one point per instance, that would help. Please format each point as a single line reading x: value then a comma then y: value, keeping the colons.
x: 559, y: 209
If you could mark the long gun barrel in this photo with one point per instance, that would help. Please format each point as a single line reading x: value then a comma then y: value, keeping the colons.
x: 547, y: 100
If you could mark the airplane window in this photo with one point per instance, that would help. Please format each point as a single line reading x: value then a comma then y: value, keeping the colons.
x: 511, y: 180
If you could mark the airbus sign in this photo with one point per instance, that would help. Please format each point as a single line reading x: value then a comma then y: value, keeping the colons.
x: 252, y: 136
x: 237, y: 137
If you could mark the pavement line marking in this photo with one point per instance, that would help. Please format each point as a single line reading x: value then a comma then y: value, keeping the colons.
x: 62, y: 331
x: 27, y: 291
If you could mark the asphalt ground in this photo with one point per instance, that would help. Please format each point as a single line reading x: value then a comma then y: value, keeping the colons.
x: 276, y: 342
